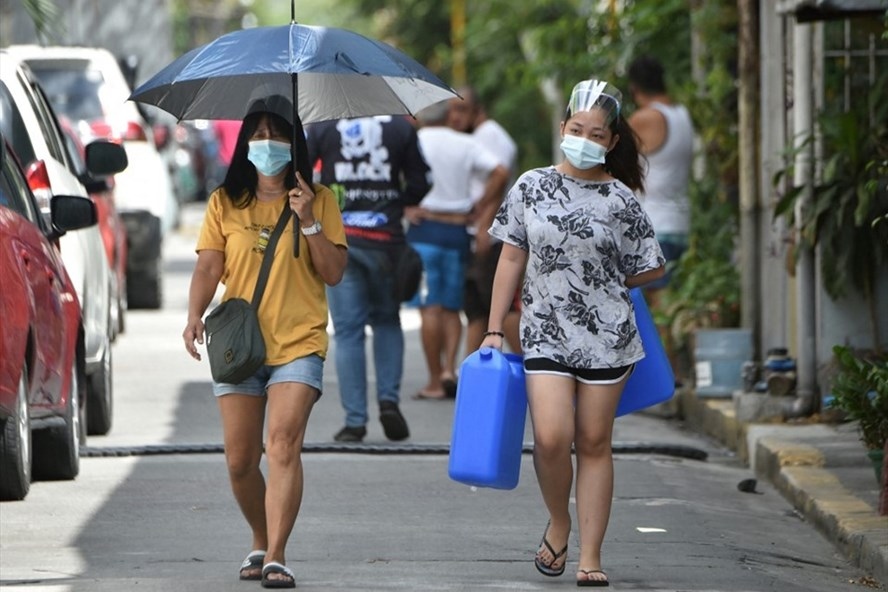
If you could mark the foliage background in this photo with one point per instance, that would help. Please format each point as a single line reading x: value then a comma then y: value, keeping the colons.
x: 524, y: 56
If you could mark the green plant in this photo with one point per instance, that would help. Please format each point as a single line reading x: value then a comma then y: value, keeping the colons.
x: 846, y: 216
x: 860, y: 391
x: 705, y: 287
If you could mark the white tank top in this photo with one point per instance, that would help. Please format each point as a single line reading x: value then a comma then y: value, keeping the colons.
x: 666, y: 183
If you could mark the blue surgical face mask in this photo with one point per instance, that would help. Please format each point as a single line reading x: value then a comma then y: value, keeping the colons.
x: 269, y: 157
x: 582, y: 153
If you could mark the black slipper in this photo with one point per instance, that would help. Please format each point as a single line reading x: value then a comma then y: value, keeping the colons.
x: 449, y: 385
x: 253, y: 561
x: 273, y: 567
x: 592, y: 583
x: 546, y: 569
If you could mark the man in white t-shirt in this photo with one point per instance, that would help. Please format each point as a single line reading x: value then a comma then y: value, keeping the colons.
x: 438, y: 232
x: 467, y: 114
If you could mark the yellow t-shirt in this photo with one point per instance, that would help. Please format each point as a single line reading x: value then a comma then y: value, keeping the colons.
x: 293, y: 311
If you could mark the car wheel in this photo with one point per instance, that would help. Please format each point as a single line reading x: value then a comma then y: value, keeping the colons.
x: 57, y: 448
x: 15, y: 447
x: 100, y: 400
x: 145, y: 289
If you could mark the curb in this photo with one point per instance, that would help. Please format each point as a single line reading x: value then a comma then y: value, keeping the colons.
x: 852, y: 524
x: 797, y: 471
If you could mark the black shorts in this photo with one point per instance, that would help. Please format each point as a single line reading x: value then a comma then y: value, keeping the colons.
x: 602, y: 376
x: 478, y: 287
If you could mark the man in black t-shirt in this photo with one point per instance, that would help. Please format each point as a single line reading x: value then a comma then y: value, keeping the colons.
x: 375, y: 167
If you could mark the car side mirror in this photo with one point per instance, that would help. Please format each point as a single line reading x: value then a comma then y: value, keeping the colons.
x: 105, y: 158
x: 70, y: 212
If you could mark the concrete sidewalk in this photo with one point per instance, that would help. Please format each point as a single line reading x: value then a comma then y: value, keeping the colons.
x: 822, y: 469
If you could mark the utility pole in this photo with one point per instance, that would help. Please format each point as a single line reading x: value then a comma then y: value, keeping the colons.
x: 458, y: 41
x: 750, y: 204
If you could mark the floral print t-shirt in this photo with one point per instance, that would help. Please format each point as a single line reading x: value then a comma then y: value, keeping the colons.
x: 583, y: 240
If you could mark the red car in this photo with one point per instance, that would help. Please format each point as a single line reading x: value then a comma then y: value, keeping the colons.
x: 42, y: 365
x: 111, y: 225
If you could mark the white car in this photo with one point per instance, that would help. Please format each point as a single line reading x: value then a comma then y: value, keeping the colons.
x: 30, y: 126
x: 87, y: 85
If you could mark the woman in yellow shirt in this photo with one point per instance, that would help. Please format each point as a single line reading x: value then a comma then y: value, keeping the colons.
x: 240, y: 216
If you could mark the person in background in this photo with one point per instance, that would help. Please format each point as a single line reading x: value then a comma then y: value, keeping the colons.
x: 240, y: 216
x: 580, y: 239
x: 226, y: 131
x: 666, y: 141
x: 375, y: 166
x: 468, y: 114
x: 438, y: 232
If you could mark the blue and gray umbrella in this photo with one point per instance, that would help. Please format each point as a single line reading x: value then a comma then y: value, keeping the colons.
x: 327, y: 73
x: 337, y: 73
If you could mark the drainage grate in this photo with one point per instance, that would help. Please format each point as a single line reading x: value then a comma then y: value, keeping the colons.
x: 678, y: 451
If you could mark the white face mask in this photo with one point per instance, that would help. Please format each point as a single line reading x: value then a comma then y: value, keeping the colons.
x: 582, y: 153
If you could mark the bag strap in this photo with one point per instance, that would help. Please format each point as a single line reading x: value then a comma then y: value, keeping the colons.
x: 269, y: 253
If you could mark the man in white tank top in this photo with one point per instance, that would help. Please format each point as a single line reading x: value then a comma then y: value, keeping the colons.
x: 666, y: 139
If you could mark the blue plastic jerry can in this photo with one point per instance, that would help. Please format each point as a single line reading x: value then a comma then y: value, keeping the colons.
x: 652, y: 381
x: 488, y: 420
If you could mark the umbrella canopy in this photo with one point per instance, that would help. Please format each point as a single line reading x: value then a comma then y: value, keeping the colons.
x: 339, y: 73
x: 327, y: 73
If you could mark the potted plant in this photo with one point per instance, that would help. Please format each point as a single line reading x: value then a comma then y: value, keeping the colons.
x: 860, y: 392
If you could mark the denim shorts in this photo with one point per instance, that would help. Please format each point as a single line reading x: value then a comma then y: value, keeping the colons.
x: 444, y: 270
x: 308, y: 370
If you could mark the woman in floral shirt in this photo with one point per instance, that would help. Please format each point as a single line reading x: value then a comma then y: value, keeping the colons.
x: 581, y: 240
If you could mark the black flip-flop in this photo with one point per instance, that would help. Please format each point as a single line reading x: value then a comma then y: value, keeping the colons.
x: 546, y: 569
x: 592, y: 583
x: 449, y: 385
x: 253, y: 561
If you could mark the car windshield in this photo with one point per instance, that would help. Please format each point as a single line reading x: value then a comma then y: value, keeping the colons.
x: 13, y: 127
x: 74, y: 93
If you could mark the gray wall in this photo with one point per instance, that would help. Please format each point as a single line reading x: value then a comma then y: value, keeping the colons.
x: 846, y: 321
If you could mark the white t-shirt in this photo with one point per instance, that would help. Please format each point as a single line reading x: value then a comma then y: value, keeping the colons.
x: 492, y: 136
x: 455, y: 158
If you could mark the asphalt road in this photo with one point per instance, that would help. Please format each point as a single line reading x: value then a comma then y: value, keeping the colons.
x: 167, y: 520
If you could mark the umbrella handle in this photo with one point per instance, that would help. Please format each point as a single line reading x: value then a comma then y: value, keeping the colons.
x: 299, y: 157
x: 301, y: 161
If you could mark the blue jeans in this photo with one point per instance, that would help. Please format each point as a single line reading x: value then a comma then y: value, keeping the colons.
x: 365, y: 296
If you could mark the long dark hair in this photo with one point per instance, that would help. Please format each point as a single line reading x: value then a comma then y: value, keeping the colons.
x: 241, y: 179
x: 624, y: 161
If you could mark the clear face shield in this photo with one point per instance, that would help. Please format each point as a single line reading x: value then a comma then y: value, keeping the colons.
x: 598, y: 95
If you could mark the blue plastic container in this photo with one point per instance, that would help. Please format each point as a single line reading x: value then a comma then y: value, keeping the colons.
x: 719, y: 355
x: 652, y: 381
x: 488, y: 420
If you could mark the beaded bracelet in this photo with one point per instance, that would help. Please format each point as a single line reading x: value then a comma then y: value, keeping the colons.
x: 497, y: 333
